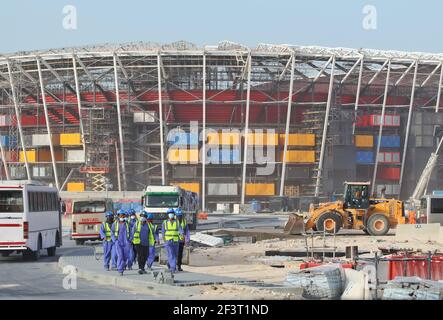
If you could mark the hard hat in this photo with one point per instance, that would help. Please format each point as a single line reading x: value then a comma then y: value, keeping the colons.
x: 150, y: 216
x: 143, y: 213
x: 170, y: 210
x: 109, y: 214
x: 179, y: 212
x: 121, y: 211
x: 131, y: 211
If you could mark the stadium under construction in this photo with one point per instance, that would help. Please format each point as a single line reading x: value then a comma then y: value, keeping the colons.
x: 96, y: 118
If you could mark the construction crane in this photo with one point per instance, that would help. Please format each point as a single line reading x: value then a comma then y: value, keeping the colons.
x: 423, y: 181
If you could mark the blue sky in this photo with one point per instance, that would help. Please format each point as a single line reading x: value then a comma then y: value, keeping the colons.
x: 401, y: 25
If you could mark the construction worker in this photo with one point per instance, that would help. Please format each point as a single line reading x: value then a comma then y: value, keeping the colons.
x: 183, y: 239
x: 108, y: 245
x: 132, y: 253
x: 171, y: 230
x: 141, y: 235
x: 152, y: 241
x: 120, y: 234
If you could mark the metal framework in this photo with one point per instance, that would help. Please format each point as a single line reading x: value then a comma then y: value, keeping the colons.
x: 98, y: 91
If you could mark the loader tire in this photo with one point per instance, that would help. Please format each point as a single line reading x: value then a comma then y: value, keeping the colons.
x: 327, y: 220
x: 378, y: 225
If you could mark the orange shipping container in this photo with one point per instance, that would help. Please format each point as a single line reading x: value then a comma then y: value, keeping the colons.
x: 183, y: 155
x: 76, y: 186
x: 260, y: 189
x: 261, y: 139
x: 364, y: 141
x: 189, y: 186
x: 299, y: 156
x: 299, y: 139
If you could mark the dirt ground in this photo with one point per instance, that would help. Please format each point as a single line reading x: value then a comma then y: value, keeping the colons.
x: 248, y: 261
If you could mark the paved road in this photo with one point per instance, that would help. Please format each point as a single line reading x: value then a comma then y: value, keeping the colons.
x: 44, y: 280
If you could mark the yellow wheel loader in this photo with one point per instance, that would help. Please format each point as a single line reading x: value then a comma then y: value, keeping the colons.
x: 357, y: 210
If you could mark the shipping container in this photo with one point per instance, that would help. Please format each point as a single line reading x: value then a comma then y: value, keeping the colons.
x: 144, y: 117
x: 42, y: 140
x: 5, y: 120
x: 189, y: 186
x: 388, y: 141
x: 223, y: 156
x: 390, y: 120
x: 362, y: 121
x: 70, y: 139
x: 8, y: 141
x: 299, y: 139
x: 365, y: 157
x: 299, y: 156
x: 183, y: 155
x: 260, y: 189
x: 364, y: 141
x: 11, y: 156
x: 262, y: 139
x: 40, y: 155
x: 389, y: 157
x: 424, y: 141
x: 388, y: 173
x: 222, y: 189
x: 41, y: 171
x: 74, y: 155
x: 75, y: 186
x: 179, y: 138
x: 390, y: 189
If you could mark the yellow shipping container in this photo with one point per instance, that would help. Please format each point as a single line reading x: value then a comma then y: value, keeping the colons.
x: 299, y: 139
x: 183, y: 155
x: 189, y: 186
x: 261, y: 139
x: 31, y: 155
x: 76, y: 186
x: 70, y: 139
x: 364, y: 141
x: 260, y: 189
x: 299, y: 156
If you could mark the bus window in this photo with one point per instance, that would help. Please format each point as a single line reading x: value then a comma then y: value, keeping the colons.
x: 11, y: 201
x: 89, y: 206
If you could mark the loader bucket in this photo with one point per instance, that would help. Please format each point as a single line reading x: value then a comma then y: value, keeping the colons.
x: 295, y: 224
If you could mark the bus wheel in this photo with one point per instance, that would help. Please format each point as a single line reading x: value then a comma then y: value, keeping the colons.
x: 79, y: 242
x: 51, y: 251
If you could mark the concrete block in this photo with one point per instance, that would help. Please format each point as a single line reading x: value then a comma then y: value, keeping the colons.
x: 355, y: 284
x: 420, y: 232
x: 207, y: 240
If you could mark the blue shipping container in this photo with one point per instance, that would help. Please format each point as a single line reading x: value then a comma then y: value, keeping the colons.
x: 389, y: 141
x: 365, y: 157
x: 183, y: 138
x: 8, y: 141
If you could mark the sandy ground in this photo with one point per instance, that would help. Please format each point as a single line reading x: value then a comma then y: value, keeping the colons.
x: 248, y: 261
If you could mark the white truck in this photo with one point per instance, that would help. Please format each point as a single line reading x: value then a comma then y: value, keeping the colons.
x: 158, y: 199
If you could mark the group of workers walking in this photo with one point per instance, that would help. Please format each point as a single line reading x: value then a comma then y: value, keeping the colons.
x: 128, y: 238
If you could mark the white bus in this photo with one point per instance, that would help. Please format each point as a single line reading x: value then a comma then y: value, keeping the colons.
x: 30, y: 218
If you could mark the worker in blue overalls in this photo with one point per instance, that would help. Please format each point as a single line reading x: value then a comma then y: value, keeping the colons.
x: 132, y: 254
x: 171, y: 231
x: 120, y: 234
x: 105, y: 236
x: 152, y: 241
x: 183, y: 239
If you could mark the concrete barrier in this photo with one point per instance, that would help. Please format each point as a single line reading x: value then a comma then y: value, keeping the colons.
x: 420, y: 232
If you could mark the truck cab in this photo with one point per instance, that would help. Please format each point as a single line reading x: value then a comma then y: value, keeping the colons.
x: 158, y: 199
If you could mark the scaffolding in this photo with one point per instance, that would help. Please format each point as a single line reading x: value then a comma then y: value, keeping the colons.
x: 123, y: 100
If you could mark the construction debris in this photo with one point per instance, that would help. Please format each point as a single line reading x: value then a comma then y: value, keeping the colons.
x: 413, y: 288
x: 322, y: 282
x: 206, y: 239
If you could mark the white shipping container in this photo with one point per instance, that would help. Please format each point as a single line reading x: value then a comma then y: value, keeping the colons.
x: 142, y: 117
x: 5, y: 120
x: 222, y: 189
x: 75, y: 155
x: 40, y: 140
x: 41, y: 172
